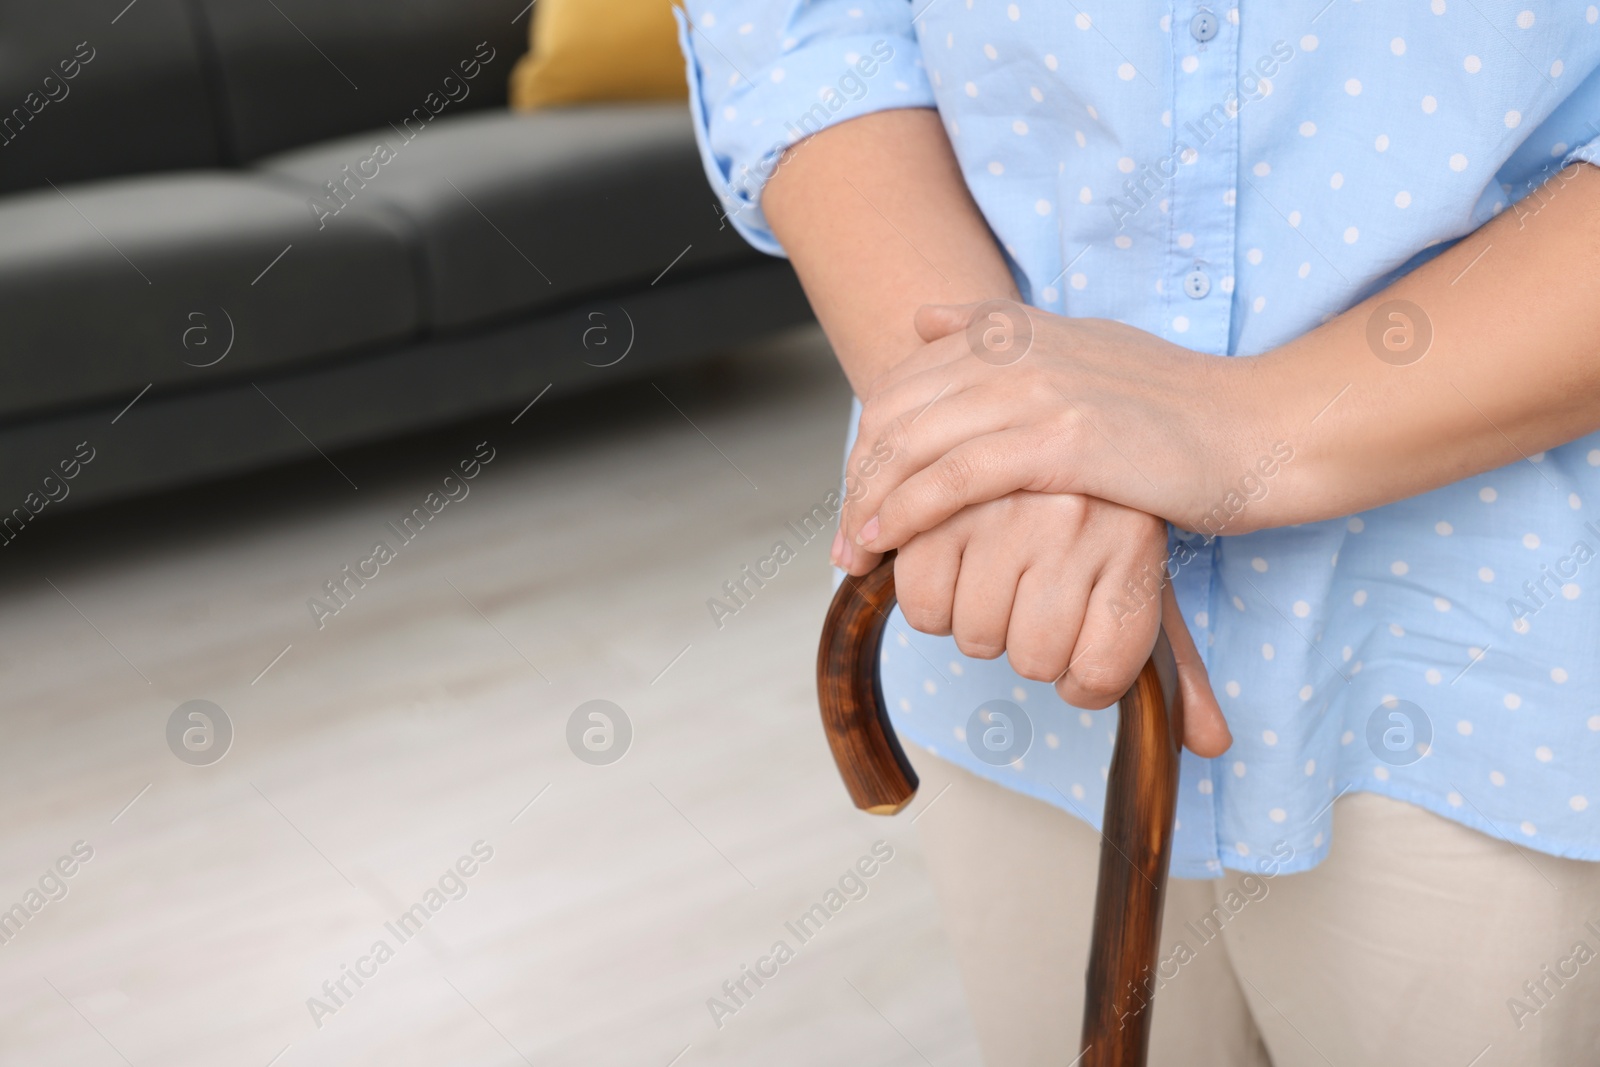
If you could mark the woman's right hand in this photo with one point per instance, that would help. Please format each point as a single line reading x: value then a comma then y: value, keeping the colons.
x: 1071, y: 588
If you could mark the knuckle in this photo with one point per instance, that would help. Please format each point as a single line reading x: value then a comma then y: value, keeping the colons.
x: 1076, y: 696
x: 871, y: 408
x: 868, y: 464
x: 870, y: 427
x: 1098, y: 683
x: 927, y: 619
x: 925, y: 611
x: 978, y: 646
x: 1035, y: 664
x: 894, y: 510
x: 953, y: 475
x: 1068, y: 427
x: 1069, y: 509
x: 894, y: 439
x: 924, y: 589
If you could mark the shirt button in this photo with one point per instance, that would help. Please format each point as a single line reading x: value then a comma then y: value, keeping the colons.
x: 1196, y: 284
x: 1203, y: 26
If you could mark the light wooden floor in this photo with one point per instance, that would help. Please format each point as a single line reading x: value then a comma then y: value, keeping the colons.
x: 426, y: 716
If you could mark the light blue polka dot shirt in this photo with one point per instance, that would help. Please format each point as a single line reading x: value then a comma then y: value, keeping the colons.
x: 1228, y: 178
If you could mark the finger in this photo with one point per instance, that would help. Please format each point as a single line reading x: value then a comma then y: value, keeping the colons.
x: 986, y: 587
x: 970, y: 472
x: 1205, y: 730
x: 852, y: 558
x: 918, y: 420
x: 906, y: 427
x: 859, y: 561
x: 1113, y: 645
x: 948, y: 349
x: 888, y: 415
x: 936, y: 321
x: 863, y: 562
x: 997, y: 332
x: 925, y: 573
x: 1046, y: 618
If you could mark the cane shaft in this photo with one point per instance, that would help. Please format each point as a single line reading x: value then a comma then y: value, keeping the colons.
x: 1141, y: 799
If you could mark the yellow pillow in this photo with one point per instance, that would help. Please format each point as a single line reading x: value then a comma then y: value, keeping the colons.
x: 588, y: 50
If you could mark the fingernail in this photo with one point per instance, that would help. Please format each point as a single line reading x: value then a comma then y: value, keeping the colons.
x: 869, y: 532
x: 838, y: 545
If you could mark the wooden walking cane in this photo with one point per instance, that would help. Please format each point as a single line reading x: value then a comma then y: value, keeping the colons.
x: 1141, y: 796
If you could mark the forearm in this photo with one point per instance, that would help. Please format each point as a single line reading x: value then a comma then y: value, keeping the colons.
x: 1513, y: 367
x: 877, y: 220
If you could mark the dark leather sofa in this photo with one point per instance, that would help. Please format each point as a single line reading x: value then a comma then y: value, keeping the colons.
x: 235, y: 231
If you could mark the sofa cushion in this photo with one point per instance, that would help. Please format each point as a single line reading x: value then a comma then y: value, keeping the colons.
x: 516, y: 211
x: 106, y: 287
x: 293, y: 72
x: 86, y: 92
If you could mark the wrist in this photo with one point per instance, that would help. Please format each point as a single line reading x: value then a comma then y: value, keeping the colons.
x: 1246, y: 464
x: 1294, y: 393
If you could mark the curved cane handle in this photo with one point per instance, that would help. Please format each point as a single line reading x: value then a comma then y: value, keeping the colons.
x: 1141, y: 799
x: 865, y: 748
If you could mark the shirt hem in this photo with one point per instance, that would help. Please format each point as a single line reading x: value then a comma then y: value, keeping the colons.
x: 1230, y: 860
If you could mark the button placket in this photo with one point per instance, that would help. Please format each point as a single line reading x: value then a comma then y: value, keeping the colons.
x: 1201, y: 214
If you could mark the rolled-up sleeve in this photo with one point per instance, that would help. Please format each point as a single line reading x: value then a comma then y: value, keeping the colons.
x: 1588, y: 152
x: 764, y: 75
x: 1576, y: 118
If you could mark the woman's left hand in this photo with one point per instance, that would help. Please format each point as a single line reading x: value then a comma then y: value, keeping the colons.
x: 1003, y: 398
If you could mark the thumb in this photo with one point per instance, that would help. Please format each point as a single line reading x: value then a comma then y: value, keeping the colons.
x: 937, y: 321
x: 1205, y: 731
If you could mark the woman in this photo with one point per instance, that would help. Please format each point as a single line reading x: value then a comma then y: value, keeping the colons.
x: 1306, y: 366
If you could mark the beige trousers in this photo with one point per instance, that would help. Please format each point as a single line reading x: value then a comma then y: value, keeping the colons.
x: 1417, y: 941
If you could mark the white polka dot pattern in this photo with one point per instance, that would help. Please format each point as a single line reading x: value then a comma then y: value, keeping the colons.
x: 1294, y: 165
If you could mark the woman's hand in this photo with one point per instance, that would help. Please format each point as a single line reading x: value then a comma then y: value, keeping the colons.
x: 1070, y: 588
x: 1107, y: 410
x: 1090, y: 406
